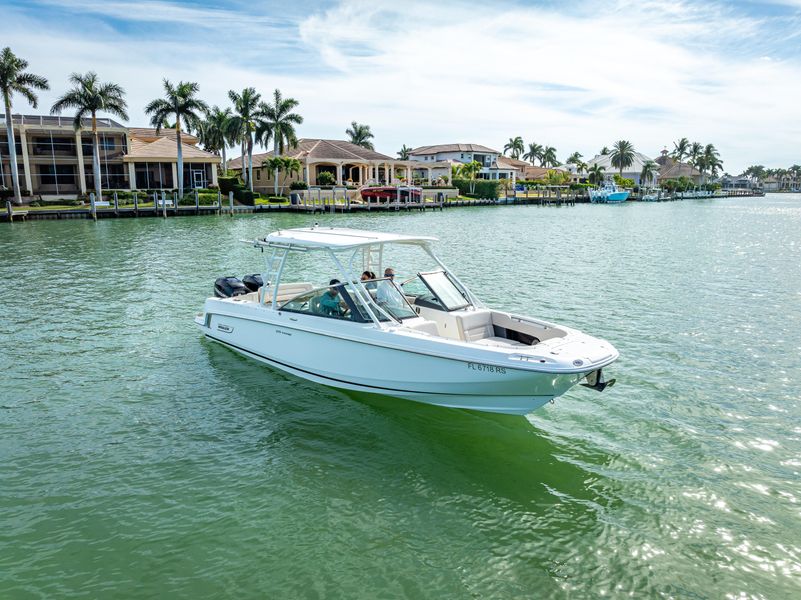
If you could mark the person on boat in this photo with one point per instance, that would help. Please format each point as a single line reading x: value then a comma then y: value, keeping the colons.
x: 368, y: 278
x: 329, y: 301
x: 387, y: 293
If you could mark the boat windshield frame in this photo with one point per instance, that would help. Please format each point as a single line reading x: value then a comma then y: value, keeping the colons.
x: 439, y: 296
x: 381, y: 318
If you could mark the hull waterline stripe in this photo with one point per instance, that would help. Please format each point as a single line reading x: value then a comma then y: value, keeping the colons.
x: 375, y: 387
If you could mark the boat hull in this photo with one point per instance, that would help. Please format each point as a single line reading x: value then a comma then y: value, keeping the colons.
x: 380, y: 362
x: 617, y: 197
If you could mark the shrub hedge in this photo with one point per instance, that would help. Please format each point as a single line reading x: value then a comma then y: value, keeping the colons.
x: 482, y: 188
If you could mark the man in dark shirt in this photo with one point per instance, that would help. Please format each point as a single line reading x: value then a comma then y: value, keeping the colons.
x: 329, y: 301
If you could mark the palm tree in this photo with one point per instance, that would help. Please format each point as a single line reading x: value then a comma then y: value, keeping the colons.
x: 275, y: 163
x: 292, y: 166
x: 622, y: 155
x: 596, y: 174
x: 581, y: 167
x: 180, y: 101
x: 515, y: 146
x: 403, y: 153
x: 694, y: 152
x: 649, y: 170
x: 360, y: 135
x: 469, y: 171
x: 604, y: 151
x: 712, y: 160
x: 13, y: 78
x: 548, y: 158
x: 243, y: 126
x: 681, y: 149
x: 87, y: 97
x: 214, y: 132
x: 757, y: 172
x: 574, y: 158
x: 276, y: 121
x: 534, y: 152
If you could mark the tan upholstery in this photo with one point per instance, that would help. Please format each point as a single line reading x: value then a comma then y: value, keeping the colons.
x: 287, y: 291
x: 428, y: 327
x: 498, y: 342
x: 474, y: 325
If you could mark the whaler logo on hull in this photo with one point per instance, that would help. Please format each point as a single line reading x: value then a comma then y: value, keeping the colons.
x: 487, y: 368
x: 224, y: 328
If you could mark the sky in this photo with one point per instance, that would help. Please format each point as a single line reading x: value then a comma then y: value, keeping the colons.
x: 574, y: 75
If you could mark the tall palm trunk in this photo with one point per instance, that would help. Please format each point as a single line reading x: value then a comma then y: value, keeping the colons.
x: 12, y: 154
x: 250, y: 161
x: 225, y: 162
x: 275, y: 173
x: 96, y: 160
x: 243, y: 164
x: 180, y: 158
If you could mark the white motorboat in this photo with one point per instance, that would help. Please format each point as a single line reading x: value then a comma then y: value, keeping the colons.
x: 427, y: 339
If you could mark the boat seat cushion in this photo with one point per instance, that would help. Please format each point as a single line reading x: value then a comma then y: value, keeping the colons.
x: 287, y: 291
x: 498, y: 342
x: 474, y: 325
x: 428, y: 327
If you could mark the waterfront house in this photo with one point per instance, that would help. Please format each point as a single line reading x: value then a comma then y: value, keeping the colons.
x: 631, y: 172
x: 54, y: 160
x: 493, y: 164
x: 669, y: 168
x: 348, y: 163
x: 771, y: 184
x: 738, y: 182
x: 532, y: 173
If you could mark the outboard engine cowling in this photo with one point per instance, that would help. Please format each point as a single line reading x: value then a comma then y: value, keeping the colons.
x: 253, y: 282
x: 227, y: 287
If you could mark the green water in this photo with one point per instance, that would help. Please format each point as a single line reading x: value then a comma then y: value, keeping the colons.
x: 138, y: 460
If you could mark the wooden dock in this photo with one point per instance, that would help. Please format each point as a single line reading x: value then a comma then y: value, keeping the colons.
x: 540, y: 198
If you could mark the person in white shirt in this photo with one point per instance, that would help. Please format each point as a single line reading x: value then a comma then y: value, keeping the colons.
x: 387, y: 293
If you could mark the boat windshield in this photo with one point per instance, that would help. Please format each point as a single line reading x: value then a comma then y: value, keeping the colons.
x: 342, y: 301
x: 445, y: 290
x: 386, y: 294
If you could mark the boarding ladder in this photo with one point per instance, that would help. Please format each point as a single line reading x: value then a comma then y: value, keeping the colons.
x: 372, y: 258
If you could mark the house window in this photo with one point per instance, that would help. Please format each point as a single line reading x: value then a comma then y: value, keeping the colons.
x: 258, y: 174
x: 57, y: 174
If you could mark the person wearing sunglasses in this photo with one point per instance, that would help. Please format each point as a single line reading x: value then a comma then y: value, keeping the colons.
x: 387, y: 293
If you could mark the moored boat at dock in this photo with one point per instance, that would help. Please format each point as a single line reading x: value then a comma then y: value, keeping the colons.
x: 608, y: 193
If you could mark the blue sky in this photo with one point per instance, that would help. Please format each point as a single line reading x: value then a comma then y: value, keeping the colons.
x: 576, y: 76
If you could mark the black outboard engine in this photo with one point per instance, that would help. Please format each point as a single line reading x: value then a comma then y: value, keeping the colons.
x: 253, y: 282
x: 227, y: 287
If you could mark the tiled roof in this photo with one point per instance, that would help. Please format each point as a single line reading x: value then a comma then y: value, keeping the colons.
x: 532, y: 172
x: 504, y: 162
x: 318, y: 149
x: 149, y: 134
x: 605, y: 160
x: 166, y: 149
x: 671, y: 169
x: 452, y: 148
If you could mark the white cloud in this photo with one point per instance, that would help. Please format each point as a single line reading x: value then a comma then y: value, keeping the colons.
x: 421, y: 73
